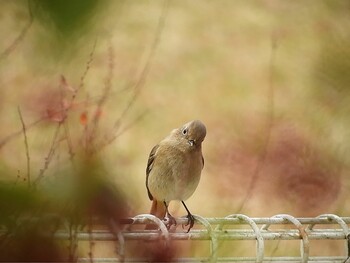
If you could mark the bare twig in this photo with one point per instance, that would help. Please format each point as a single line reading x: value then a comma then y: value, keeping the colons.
x: 12, y: 136
x: 65, y: 124
x: 137, y: 85
x: 55, y: 140
x: 69, y: 141
x: 20, y: 37
x: 26, y: 144
x: 108, y: 81
x: 269, y: 123
x: 19, y: 132
x: 49, y: 155
x: 129, y: 125
x: 142, y: 77
x: 103, y: 99
x: 73, y: 97
x: 87, y: 68
x: 110, y: 139
x: 65, y: 111
x: 80, y: 86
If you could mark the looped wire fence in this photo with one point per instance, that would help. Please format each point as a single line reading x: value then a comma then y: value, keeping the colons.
x: 217, y: 231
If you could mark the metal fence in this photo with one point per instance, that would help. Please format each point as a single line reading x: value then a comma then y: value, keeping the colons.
x: 216, y: 231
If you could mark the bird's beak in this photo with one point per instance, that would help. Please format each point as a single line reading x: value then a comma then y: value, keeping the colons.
x: 191, y: 142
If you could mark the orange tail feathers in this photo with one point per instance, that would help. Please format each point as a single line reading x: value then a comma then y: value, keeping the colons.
x: 158, y: 209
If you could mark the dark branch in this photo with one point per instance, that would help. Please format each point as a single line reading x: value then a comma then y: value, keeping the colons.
x: 26, y: 144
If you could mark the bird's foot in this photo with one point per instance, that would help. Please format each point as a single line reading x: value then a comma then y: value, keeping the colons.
x: 170, y: 220
x: 190, y: 222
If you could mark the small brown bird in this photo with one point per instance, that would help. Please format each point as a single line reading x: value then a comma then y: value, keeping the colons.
x: 174, y: 168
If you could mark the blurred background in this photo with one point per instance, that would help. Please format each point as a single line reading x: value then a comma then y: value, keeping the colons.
x: 89, y: 87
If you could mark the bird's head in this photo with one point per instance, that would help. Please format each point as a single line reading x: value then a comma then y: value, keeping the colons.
x: 193, y: 133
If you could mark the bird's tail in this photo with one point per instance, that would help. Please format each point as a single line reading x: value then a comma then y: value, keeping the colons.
x: 158, y: 209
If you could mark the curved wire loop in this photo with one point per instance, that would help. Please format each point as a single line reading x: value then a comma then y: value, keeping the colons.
x: 260, y: 246
x: 144, y: 218
x: 342, y: 224
x: 121, y: 249
x: 121, y: 240
x: 304, y: 245
x: 213, y: 238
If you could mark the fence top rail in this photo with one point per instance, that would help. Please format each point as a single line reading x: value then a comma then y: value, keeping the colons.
x: 216, y: 230
x: 234, y: 219
x: 257, y: 220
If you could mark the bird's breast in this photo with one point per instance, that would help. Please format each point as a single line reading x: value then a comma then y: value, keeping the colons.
x: 175, y: 174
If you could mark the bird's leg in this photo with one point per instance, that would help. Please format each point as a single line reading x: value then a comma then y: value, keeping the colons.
x: 189, y: 216
x: 171, y: 219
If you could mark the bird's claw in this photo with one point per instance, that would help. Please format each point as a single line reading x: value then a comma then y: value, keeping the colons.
x: 190, y: 222
x: 170, y: 221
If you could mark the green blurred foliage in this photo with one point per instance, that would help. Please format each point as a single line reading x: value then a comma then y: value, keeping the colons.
x: 66, y: 27
x: 68, y: 17
x: 30, y: 215
x: 16, y: 200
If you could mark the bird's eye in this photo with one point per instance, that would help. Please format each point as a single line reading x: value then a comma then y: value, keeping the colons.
x: 184, y: 131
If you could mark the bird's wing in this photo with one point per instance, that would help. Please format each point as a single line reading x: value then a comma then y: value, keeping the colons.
x: 151, y: 158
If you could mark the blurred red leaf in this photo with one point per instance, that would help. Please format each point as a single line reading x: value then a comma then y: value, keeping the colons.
x: 83, y: 118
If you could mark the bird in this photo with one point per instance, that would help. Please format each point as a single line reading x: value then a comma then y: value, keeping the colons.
x: 174, y: 170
